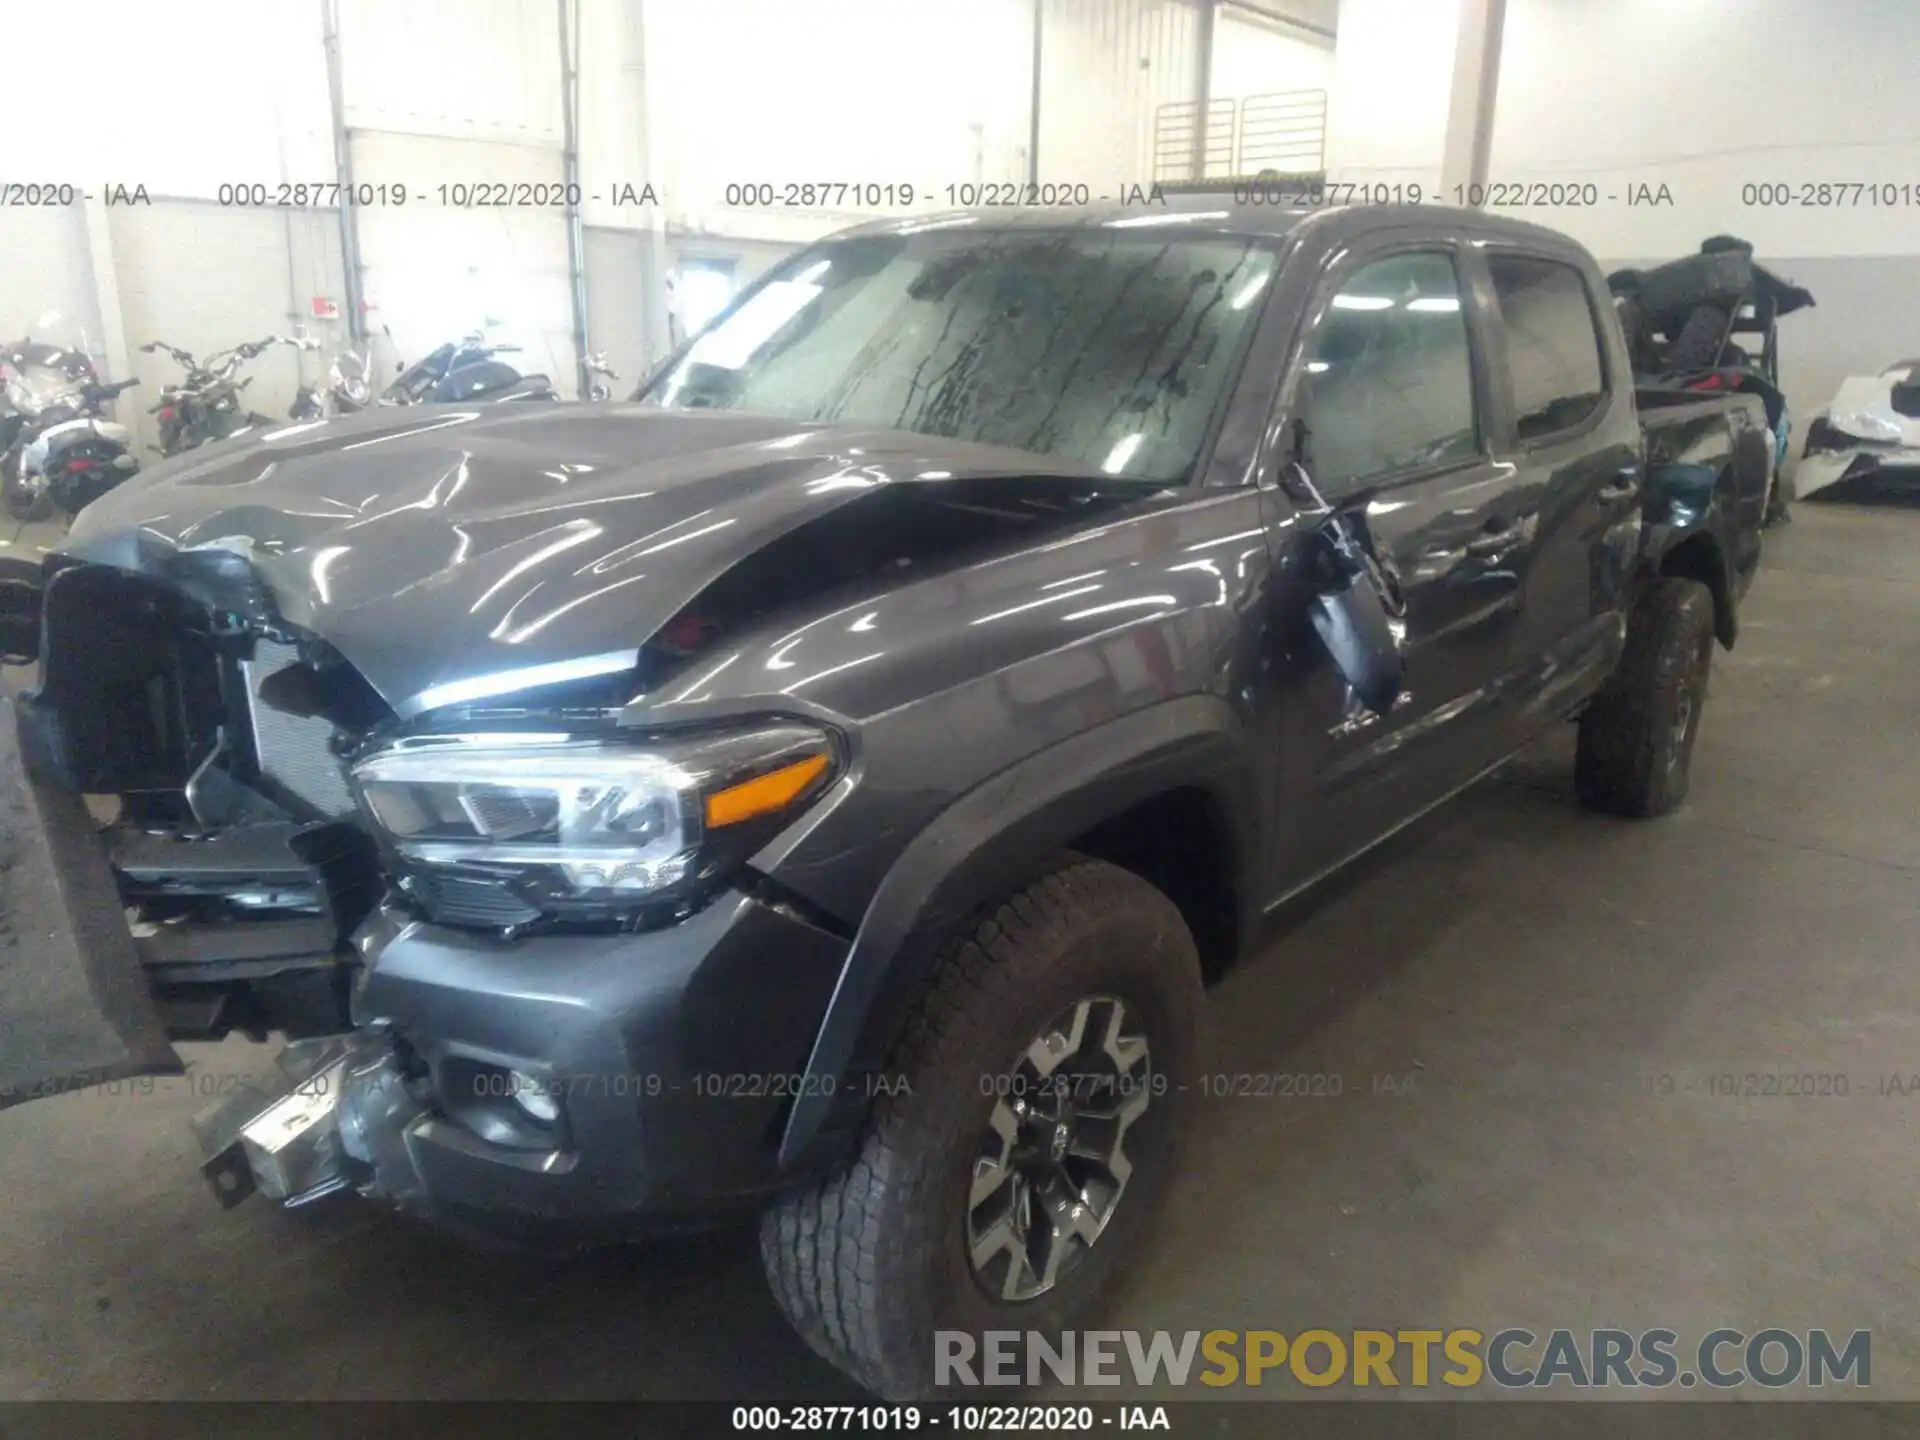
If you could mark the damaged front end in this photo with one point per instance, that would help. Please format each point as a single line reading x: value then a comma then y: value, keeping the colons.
x: 181, y: 759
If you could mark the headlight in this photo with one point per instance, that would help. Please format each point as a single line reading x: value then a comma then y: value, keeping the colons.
x: 576, y: 826
x: 355, y: 389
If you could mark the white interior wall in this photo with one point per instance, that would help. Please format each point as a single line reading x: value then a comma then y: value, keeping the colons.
x: 190, y: 271
x: 1255, y: 58
x: 919, y: 93
x: 1818, y: 93
x: 177, y: 105
x: 46, y: 269
x: 1393, y: 74
x: 1106, y: 66
x: 190, y: 97
x: 908, y: 92
x: 1810, y: 93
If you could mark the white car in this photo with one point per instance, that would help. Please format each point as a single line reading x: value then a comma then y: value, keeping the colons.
x: 1868, y: 440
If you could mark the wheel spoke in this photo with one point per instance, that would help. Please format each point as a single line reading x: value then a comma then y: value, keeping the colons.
x: 1126, y: 1051
x: 990, y: 1172
x: 1069, y: 1219
x: 1046, y: 1053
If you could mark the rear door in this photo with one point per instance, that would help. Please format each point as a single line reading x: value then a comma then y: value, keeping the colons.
x: 1565, y: 421
x: 1392, y: 381
x: 74, y: 1005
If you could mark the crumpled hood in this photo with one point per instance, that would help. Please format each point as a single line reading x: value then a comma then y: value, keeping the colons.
x: 450, y: 553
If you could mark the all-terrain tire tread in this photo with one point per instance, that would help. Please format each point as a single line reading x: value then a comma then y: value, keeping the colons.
x: 826, y: 1248
x: 1624, y: 734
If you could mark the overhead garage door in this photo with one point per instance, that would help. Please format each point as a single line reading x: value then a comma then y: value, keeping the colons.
x: 459, y: 101
x: 482, y: 235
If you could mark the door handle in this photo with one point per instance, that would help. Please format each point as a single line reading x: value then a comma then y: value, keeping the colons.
x: 1494, y: 543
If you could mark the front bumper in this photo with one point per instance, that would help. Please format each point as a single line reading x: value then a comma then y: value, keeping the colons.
x: 672, y: 1059
x: 1868, y: 472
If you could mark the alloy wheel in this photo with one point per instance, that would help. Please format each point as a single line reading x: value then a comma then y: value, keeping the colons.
x: 1053, y: 1164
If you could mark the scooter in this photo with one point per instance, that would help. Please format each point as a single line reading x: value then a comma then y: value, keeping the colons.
x: 58, y: 452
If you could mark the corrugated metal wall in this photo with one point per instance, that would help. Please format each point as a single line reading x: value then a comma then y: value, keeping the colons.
x: 1105, y: 68
x: 469, y: 69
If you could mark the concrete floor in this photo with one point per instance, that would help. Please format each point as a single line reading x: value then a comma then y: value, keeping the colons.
x: 1533, y: 966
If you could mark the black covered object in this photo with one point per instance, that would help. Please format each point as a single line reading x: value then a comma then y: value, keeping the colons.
x: 1723, y: 273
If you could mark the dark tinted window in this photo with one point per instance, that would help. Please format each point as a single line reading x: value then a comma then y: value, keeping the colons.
x: 1389, y: 383
x: 1108, y: 348
x: 1553, y: 346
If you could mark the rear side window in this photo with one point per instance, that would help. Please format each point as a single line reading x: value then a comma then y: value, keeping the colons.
x: 1553, y: 344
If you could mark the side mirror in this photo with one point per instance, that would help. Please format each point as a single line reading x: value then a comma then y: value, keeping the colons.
x: 1352, y: 610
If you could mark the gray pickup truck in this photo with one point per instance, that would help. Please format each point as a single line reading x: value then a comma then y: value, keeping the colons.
x: 818, y: 788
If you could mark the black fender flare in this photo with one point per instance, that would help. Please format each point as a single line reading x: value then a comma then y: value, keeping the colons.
x: 22, y: 586
x: 1698, y: 548
x: 985, y: 843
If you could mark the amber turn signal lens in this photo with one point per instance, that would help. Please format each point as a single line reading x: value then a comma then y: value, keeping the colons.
x: 764, y: 793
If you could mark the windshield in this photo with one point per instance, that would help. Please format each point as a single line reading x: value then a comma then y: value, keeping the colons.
x: 1104, y: 348
x: 32, y: 387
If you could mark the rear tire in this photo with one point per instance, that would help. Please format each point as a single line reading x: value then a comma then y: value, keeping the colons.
x: 872, y: 1263
x: 1636, y: 738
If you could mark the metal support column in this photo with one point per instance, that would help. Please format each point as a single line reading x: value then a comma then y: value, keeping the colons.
x: 106, y: 288
x: 355, y: 297
x: 1033, y: 115
x: 1468, y: 147
x: 654, y: 263
x: 1202, y: 86
x: 570, y: 156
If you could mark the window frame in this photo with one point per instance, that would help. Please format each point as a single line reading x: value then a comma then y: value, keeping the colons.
x: 1496, y: 250
x: 1469, y: 280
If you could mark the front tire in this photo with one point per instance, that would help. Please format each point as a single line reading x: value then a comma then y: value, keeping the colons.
x: 1636, y: 738
x: 23, y: 503
x: 1077, y: 994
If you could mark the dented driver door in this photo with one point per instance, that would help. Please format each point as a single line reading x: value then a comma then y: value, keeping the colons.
x: 1386, y: 412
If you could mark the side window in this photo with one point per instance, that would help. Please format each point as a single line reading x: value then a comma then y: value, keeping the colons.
x: 1389, y: 382
x: 1553, y: 344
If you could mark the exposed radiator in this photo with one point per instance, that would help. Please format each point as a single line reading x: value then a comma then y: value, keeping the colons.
x: 292, y: 749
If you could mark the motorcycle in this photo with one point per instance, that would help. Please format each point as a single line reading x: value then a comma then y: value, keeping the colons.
x: 600, y: 385
x: 58, y: 452
x: 349, y: 387
x: 205, y: 404
x: 465, y: 372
